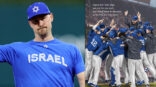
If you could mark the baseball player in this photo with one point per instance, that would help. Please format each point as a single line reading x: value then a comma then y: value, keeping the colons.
x: 117, y: 48
x: 89, y: 53
x: 99, y: 55
x: 122, y: 35
x: 90, y: 47
x: 107, y: 55
x: 44, y: 61
x: 134, y: 22
x: 144, y: 57
x: 134, y: 60
x: 93, y: 46
x: 150, y: 44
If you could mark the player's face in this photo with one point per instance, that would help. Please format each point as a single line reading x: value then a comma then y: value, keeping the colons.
x: 102, y: 29
x: 148, y: 31
x: 134, y: 21
x: 98, y: 32
x: 41, y: 24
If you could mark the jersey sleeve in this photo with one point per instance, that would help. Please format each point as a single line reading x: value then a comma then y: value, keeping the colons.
x: 6, y: 53
x: 78, y: 62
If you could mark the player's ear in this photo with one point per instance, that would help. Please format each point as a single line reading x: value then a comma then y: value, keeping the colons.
x: 30, y: 23
x: 52, y: 17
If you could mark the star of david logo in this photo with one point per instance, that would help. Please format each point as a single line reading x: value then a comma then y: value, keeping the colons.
x: 35, y: 9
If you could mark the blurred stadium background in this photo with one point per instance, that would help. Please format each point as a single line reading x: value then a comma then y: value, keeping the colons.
x: 68, y: 26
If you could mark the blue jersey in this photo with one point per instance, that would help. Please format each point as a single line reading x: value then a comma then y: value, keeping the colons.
x: 142, y: 40
x: 105, y: 31
x: 101, y: 48
x: 102, y: 51
x: 43, y: 64
x: 95, y: 43
x: 90, y: 36
x: 105, y: 54
x: 117, y: 47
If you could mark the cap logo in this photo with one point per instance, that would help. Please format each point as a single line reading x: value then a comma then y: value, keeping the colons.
x: 35, y: 9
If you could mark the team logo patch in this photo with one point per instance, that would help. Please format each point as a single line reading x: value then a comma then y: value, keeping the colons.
x: 35, y: 9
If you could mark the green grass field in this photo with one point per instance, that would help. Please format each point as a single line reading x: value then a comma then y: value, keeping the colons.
x: 123, y: 85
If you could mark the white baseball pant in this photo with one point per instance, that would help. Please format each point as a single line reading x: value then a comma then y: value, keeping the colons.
x: 88, y: 61
x: 147, y: 64
x: 107, y: 66
x: 133, y: 66
x: 117, y: 63
x: 96, y: 66
x: 152, y: 60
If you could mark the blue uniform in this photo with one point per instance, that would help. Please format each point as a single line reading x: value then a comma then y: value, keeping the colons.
x: 90, y: 36
x: 89, y: 52
x: 102, y: 47
x: 142, y: 40
x: 43, y: 64
x: 95, y: 43
x: 105, y: 31
x: 103, y: 51
x: 117, y: 47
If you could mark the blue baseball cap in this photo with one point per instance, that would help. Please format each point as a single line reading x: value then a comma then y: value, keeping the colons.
x: 98, y: 28
x: 134, y: 34
x: 112, y: 34
x: 150, y: 28
x: 122, y: 30
x: 37, y: 8
x: 147, y: 23
x: 131, y: 28
x: 102, y: 25
x: 134, y: 18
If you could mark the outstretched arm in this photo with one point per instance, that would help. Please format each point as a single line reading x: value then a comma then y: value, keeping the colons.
x: 127, y: 22
x: 139, y: 16
x: 98, y: 23
x: 126, y: 13
x: 112, y: 27
x: 112, y: 23
x: 81, y: 79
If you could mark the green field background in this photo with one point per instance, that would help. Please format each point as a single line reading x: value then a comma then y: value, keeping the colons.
x: 68, y: 20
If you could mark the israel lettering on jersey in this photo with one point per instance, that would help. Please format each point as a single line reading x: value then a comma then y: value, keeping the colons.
x: 46, y: 58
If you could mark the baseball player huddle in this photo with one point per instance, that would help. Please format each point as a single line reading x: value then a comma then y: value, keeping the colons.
x: 130, y: 49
